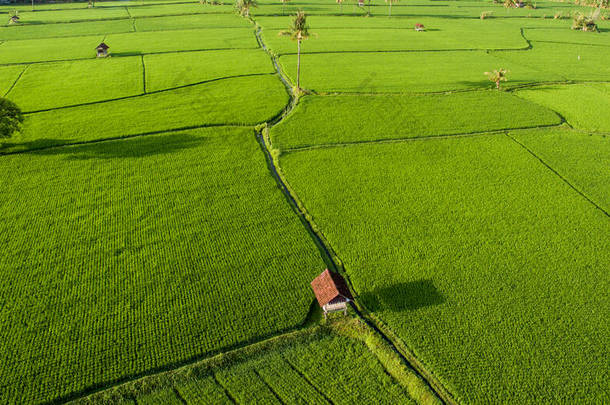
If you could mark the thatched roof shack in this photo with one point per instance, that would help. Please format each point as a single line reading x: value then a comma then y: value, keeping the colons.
x: 331, y: 292
x: 102, y: 50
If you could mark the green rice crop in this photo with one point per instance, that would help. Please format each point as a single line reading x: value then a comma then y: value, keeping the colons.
x: 72, y: 15
x: 48, y: 49
x: 368, y: 118
x: 204, y: 390
x: 585, y: 106
x: 195, y: 67
x: 65, y: 30
x: 8, y: 75
x: 148, y: 252
x: 177, y: 9
x: 191, y: 22
x: 52, y: 85
x: 582, y: 158
x: 223, y: 102
x: 470, y: 34
x: 404, y: 71
x: 184, y: 40
x: 487, y: 264
x: 560, y: 35
x: 574, y: 62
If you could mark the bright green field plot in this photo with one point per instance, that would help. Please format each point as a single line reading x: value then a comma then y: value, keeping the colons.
x: 187, y: 40
x: 178, y: 9
x: 50, y: 49
x: 67, y: 15
x: 561, y: 35
x: 490, y: 267
x: 150, y: 252
x: 583, y: 159
x: 51, y: 85
x: 191, y: 21
x: 584, y: 106
x: 8, y: 75
x: 404, y: 71
x: 368, y: 118
x: 65, y: 30
x: 574, y: 62
x: 195, y: 67
x: 224, y: 102
x: 448, y: 34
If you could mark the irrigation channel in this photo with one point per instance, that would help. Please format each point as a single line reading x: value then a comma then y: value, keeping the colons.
x: 328, y: 255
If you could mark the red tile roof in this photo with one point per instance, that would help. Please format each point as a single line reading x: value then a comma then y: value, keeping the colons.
x: 328, y: 286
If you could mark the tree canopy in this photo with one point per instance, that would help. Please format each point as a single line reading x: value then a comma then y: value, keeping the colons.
x: 11, y: 118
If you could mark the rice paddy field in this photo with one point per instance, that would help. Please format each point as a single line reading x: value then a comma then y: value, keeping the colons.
x: 166, y: 207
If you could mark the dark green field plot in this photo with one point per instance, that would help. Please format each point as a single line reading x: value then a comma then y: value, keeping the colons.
x: 150, y: 252
x: 67, y: 15
x: 8, y: 75
x: 223, y: 102
x: 469, y: 34
x: 585, y: 106
x: 195, y: 67
x: 583, y: 159
x: 65, y: 30
x: 186, y: 40
x: 487, y: 264
x: 58, y: 84
x: 191, y: 22
x: 404, y: 71
x: 48, y: 49
x: 370, y: 118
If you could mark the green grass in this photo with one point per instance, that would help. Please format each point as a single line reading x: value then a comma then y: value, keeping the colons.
x: 583, y: 159
x: 183, y: 40
x: 177, y: 9
x: 584, y: 106
x: 344, y: 119
x: 148, y: 252
x: 195, y: 67
x: 224, y: 102
x: 489, y: 266
x: 15, y: 32
x: 70, y: 15
x: 404, y: 71
x: 8, y: 75
x: 441, y: 34
x: 49, y: 49
x: 59, y: 84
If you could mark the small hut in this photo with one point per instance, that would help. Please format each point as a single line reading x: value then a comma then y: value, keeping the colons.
x: 102, y: 50
x: 331, y: 292
x: 14, y: 19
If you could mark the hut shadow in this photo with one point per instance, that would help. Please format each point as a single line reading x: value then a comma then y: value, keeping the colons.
x: 126, y: 148
x: 403, y: 297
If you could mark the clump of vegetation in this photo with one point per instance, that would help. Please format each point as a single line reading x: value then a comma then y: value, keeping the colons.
x: 211, y: 2
x: 594, y: 3
x: 298, y: 31
x: 486, y: 14
x: 243, y: 7
x: 13, y: 17
x: 586, y: 23
x: 497, y: 76
x: 11, y: 118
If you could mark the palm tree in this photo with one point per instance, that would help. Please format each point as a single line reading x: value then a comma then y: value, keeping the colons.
x: 283, y: 4
x: 498, y: 76
x: 298, y: 31
x: 243, y: 7
x: 390, y: 6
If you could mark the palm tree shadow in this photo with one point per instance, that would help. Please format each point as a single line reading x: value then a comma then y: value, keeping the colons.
x: 403, y: 297
x: 136, y: 147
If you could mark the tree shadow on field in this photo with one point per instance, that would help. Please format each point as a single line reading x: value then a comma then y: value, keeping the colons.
x: 133, y: 147
x: 403, y: 297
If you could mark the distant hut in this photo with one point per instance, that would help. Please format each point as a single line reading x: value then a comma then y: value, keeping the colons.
x: 14, y: 19
x: 331, y: 292
x: 102, y: 50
